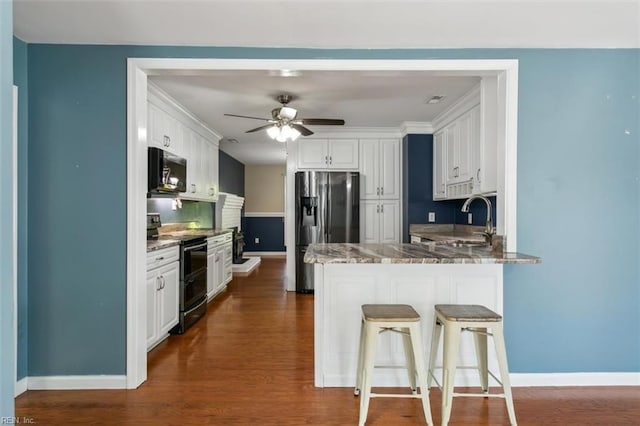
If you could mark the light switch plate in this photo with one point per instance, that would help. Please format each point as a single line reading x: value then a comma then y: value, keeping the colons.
x: 432, y: 217
x: 256, y: 240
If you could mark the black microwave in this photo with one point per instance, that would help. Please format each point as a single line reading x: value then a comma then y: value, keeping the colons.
x: 167, y: 172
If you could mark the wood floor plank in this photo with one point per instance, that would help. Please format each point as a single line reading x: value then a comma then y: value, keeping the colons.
x: 250, y: 362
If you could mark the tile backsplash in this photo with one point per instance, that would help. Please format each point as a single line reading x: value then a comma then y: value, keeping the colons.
x: 199, y: 212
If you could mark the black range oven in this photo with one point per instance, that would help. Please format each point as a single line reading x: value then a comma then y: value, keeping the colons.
x: 193, y: 281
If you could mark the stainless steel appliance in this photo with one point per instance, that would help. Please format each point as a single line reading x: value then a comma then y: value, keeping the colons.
x: 193, y: 272
x: 327, y: 211
x: 167, y: 172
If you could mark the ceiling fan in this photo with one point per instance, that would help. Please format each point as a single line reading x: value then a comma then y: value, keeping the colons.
x: 284, y: 123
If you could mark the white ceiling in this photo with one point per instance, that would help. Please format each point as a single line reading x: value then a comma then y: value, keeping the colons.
x: 331, y: 23
x: 361, y: 99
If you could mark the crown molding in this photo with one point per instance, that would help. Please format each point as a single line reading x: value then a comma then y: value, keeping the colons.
x: 464, y: 104
x: 416, y: 128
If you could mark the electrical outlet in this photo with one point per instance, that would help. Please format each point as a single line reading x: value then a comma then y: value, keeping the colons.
x: 256, y: 240
x: 432, y: 217
x: 469, y: 218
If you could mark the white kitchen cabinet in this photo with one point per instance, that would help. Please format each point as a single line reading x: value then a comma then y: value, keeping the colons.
x: 380, y: 169
x: 162, y: 287
x: 328, y: 154
x: 172, y: 128
x: 455, y: 157
x: 379, y: 221
x: 164, y: 130
x: 218, y: 263
x: 439, y: 166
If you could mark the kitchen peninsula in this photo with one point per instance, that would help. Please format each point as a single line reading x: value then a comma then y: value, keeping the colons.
x: 422, y: 275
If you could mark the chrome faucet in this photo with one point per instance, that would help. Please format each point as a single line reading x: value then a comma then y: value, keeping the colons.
x: 489, y: 231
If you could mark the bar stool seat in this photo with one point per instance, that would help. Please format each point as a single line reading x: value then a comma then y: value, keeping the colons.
x: 475, y: 319
x: 402, y: 319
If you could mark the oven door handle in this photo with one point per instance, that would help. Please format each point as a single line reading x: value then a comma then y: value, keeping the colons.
x: 195, y: 307
x: 195, y: 247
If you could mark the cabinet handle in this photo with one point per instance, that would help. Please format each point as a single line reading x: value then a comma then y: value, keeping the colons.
x: 330, y: 160
x: 382, y: 208
x: 164, y: 282
x: 159, y: 258
x: 378, y: 209
x: 193, y: 188
x: 382, y: 190
x: 158, y: 285
x: 167, y: 141
x: 378, y: 191
x: 326, y: 160
x: 478, y: 175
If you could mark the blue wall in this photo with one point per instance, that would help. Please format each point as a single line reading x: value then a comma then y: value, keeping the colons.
x: 231, y: 174
x: 20, y: 79
x: 578, y: 195
x: 270, y: 231
x: 7, y: 374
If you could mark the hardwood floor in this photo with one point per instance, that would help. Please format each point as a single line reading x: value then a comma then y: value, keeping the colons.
x: 250, y: 362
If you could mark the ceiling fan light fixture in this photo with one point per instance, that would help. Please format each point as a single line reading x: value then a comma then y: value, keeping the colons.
x: 287, y: 113
x: 273, y: 131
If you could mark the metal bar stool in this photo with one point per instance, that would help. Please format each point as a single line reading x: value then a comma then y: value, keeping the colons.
x: 475, y: 319
x: 402, y: 319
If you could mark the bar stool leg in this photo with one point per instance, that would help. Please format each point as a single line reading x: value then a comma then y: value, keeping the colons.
x: 356, y: 391
x: 451, y: 347
x: 498, y: 339
x: 433, y: 353
x: 410, y: 357
x: 371, y: 339
x: 418, y: 356
x: 480, y: 340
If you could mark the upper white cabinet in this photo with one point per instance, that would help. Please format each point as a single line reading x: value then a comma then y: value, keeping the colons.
x: 164, y: 130
x: 334, y: 154
x: 380, y: 169
x: 465, y: 147
x: 174, y: 129
x: 439, y: 166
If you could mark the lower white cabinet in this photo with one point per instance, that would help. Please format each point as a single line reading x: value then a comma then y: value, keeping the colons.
x: 162, y: 287
x: 379, y: 221
x: 218, y: 264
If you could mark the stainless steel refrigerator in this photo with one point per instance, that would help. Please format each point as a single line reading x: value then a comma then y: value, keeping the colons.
x: 327, y: 211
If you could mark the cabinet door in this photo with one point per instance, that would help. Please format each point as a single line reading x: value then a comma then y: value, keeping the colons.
x: 389, y: 169
x: 465, y: 145
x: 369, y: 221
x: 439, y: 166
x: 153, y: 286
x: 313, y: 154
x: 212, y: 170
x: 219, y: 268
x: 168, y: 300
x: 343, y: 154
x: 211, y: 283
x: 389, y: 222
x: 451, y: 142
x: 369, y: 186
x: 228, y: 262
x: 155, y: 131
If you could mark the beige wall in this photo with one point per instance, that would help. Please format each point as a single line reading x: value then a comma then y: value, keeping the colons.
x: 264, y: 189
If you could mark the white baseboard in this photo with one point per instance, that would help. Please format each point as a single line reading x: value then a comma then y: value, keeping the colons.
x: 279, y: 254
x: 21, y: 386
x: 575, y: 379
x: 76, y: 382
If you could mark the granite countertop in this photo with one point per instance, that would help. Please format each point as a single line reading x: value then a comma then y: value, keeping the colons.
x: 153, y: 245
x: 446, y: 233
x: 167, y: 238
x: 410, y: 253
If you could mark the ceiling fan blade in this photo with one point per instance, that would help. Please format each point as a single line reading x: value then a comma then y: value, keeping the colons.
x: 303, y: 130
x: 322, y: 121
x: 257, y: 129
x: 246, y: 116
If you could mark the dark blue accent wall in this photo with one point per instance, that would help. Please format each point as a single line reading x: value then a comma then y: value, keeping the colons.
x: 270, y: 231
x: 576, y: 104
x: 20, y: 79
x: 231, y: 174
